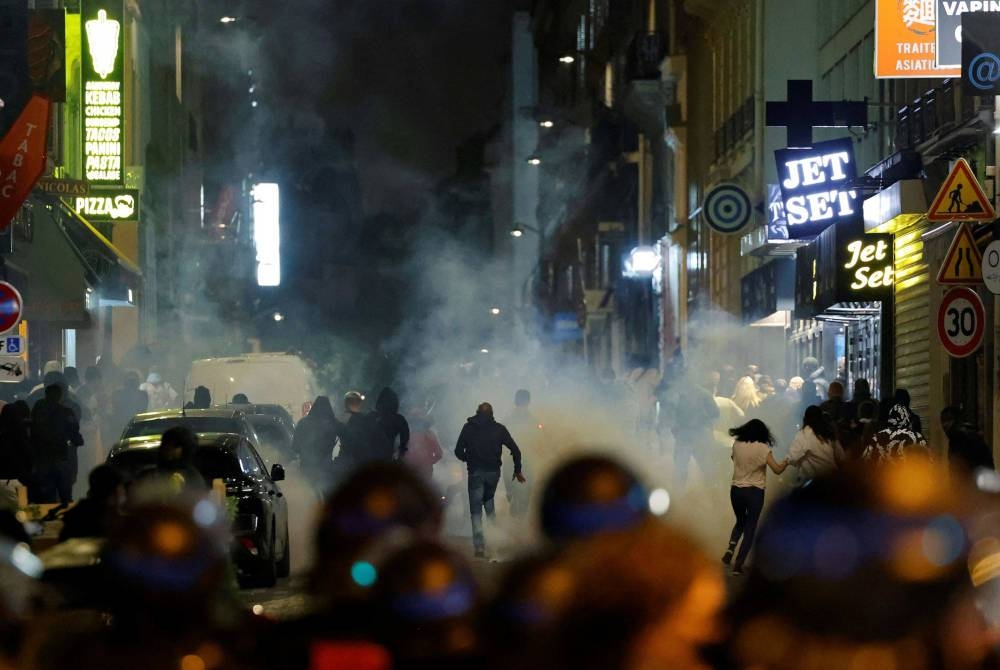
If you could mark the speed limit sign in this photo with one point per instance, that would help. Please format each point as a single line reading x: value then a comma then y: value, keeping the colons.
x: 961, y: 321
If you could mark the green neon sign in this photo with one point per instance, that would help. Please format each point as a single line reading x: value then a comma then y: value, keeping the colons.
x: 103, y: 89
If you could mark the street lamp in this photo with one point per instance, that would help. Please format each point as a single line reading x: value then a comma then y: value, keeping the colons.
x: 567, y: 60
x: 534, y: 160
x: 227, y: 19
x: 642, y: 262
x: 519, y: 229
x: 495, y: 311
x: 547, y: 123
x: 278, y: 317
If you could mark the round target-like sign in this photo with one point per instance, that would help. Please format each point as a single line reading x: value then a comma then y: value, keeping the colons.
x: 727, y: 209
x: 961, y: 321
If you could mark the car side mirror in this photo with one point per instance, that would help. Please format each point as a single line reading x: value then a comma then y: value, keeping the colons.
x: 277, y: 472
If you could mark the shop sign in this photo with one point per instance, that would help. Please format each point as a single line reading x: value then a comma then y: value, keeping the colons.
x: 22, y: 157
x: 949, y: 30
x: 980, y: 53
x: 814, y: 186
x: 103, y: 104
x: 905, y: 44
x: 865, y: 267
x: 62, y: 187
x: 122, y: 205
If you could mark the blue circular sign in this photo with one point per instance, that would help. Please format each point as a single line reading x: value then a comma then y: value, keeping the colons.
x: 984, y: 71
x: 727, y: 209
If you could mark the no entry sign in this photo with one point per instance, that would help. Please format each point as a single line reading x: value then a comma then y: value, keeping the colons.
x: 10, y: 307
x: 961, y: 322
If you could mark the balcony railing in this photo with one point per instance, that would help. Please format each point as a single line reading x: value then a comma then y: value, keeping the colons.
x: 734, y: 129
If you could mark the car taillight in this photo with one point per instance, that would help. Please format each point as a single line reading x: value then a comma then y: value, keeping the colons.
x: 355, y: 655
x: 306, y: 408
x: 249, y: 545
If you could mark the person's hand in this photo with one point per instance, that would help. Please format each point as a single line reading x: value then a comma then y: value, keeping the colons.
x: 519, y: 477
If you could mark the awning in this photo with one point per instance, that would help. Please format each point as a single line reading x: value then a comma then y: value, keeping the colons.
x: 106, y: 268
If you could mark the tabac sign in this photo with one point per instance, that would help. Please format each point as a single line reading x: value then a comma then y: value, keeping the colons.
x: 103, y: 104
x: 865, y: 267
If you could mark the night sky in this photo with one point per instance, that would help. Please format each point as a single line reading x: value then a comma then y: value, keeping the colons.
x: 411, y: 78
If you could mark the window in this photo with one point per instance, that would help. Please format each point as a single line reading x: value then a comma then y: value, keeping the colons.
x: 249, y: 463
x: 200, y: 425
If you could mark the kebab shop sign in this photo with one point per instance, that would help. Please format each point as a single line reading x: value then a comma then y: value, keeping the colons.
x: 815, y: 186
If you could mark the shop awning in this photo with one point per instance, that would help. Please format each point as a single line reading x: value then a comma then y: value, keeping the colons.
x: 106, y: 268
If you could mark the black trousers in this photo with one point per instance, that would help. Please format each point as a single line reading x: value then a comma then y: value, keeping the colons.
x: 748, y: 501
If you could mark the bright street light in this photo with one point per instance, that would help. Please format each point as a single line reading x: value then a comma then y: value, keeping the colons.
x: 642, y: 262
x: 278, y: 316
x: 495, y: 311
x: 546, y: 123
x: 567, y: 59
x: 227, y: 19
x: 534, y: 160
x: 484, y: 351
x: 516, y: 232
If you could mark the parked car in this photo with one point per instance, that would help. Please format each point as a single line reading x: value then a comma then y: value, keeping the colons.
x: 228, y: 450
x: 274, y: 427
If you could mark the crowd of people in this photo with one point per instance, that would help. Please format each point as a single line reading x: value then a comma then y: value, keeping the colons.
x: 880, y: 557
x: 886, y: 566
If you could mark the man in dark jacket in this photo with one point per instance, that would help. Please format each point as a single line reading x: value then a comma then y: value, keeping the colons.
x: 393, y: 423
x: 55, y: 436
x: 315, y: 438
x: 362, y: 440
x: 966, y: 447
x: 479, y: 445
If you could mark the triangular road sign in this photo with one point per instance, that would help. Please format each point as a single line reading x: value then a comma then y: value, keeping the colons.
x: 963, y: 264
x: 961, y: 198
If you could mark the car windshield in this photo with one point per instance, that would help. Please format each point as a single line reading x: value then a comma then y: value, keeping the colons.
x: 199, y: 424
x: 212, y: 462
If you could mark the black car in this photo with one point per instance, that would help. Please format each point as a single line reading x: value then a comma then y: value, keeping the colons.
x: 274, y: 427
x: 227, y: 451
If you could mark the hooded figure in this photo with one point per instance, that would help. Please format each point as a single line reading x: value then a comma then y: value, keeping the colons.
x: 392, y: 423
x: 161, y: 394
x: 897, y: 439
x: 479, y: 446
x: 315, y: 438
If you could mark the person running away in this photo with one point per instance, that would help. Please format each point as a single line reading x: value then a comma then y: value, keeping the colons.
x: 815, y: 450
x: 479, y: 446
x: 752, y: 455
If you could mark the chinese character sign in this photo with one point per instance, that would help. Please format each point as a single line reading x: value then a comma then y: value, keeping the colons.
x: 906, y: 40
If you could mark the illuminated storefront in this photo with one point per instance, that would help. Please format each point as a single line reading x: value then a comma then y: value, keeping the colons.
x: 844, y: 282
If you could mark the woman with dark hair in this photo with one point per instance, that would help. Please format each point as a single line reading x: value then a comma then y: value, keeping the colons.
x: 815, y: 450
x: 751, y: 458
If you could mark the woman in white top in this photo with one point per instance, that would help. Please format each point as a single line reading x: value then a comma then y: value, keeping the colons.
x: 751, y: 458
x: 815, y: 450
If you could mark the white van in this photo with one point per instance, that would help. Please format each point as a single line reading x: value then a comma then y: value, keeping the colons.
x: 281, y: 379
